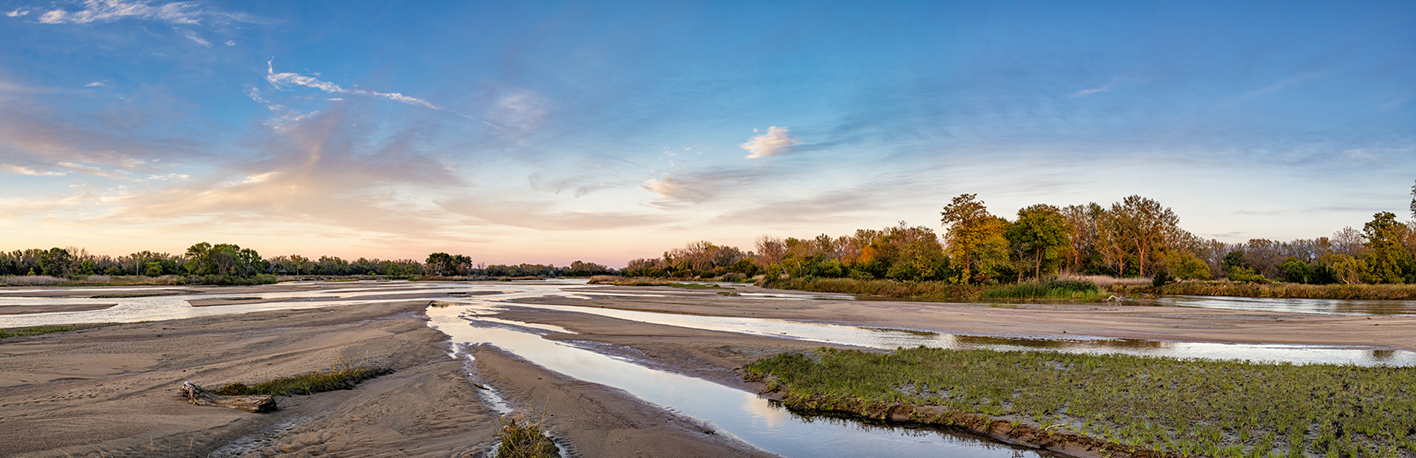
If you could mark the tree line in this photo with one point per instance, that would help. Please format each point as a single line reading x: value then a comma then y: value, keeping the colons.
x: 224, y: 263
x: 1134, y: 237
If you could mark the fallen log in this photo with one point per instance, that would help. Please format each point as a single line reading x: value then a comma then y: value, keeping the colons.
x: 195, y: 394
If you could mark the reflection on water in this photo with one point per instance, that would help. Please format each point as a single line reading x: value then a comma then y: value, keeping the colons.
x: 726, y: 410
x: 1319, y: 306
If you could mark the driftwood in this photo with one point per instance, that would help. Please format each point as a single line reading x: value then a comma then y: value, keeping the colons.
x: 195, y: 394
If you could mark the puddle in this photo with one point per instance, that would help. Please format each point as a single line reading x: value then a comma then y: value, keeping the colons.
x: 726, y: 410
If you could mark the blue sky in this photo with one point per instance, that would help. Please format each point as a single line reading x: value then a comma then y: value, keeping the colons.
x: 550, y: 132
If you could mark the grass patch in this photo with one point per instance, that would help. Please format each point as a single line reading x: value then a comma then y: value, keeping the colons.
x: 314, y: 382
x: 34, y: 331
x: 694, y: 286
x: 1181, y: 406
x: 521, y: 438
x: 120, y: 296
x: 623, y: 281
x: 1276, y: 290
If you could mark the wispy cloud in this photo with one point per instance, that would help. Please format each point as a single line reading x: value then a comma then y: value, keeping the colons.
x: 18, y: 170
x: 1102, y: 88
x: 113, y: 10
x: 776, y: 141
x: 286, y: 79
x: 1288, y: 82
x: 194, y: 37
x: 95, y: 84
x: 17, y: 13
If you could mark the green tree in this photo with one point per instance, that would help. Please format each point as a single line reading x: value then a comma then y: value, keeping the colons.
x: 1387, y: 260
x: 1144, y: 229
x: 975, y: 239
x: 1296, y: 271
x: 1187, y: 266
x: 56, y: 262
x: 1041, y: 232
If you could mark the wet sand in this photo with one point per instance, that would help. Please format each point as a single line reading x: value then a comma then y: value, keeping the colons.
x: 47, y: 308
x: 111, y: 391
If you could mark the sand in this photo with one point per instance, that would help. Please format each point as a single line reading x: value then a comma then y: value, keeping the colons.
x: 111, y: 390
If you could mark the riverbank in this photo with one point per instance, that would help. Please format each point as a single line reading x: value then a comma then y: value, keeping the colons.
x: 1275, y: 290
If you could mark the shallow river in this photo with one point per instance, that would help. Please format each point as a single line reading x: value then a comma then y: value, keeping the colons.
x: 471, y: 320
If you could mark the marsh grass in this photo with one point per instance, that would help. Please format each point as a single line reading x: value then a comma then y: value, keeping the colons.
x: 1277, y: 290
x: 1180, y: 406
x: 1051, y: 290
x: 627, y: 281
x: 523, y: 438
x: 338, y: 378
x: 34, y: 331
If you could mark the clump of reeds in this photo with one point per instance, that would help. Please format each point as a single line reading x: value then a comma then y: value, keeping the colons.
x: 1051, y: 289
x: 522, y: 438
x: 341, y: 377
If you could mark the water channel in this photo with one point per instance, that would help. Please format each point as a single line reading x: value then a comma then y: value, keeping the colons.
x: 470, y: 318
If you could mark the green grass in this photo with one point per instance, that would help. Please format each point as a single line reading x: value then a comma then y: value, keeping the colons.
x: 314, y: 382
x: 522, y: 438
x: 1276, y: 290
x: 34, y: 331
x: 1053, y: 289
x: 1184, y: 407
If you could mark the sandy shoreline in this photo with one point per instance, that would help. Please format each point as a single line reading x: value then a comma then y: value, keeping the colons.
x: 110, y: 390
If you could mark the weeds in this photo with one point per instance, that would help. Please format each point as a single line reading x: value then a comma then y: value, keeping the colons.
x: 1178, y: 406
x: 522, y: 438
x: 338, y: 378
x: 34, y: 331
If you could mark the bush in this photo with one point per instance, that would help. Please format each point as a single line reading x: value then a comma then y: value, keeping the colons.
x: 1245, y: 274
x: 1162, y: 278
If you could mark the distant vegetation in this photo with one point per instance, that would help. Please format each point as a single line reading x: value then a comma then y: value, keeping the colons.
x: 1183, y: 407
x: 229, y: 264
x: 1134, y: 238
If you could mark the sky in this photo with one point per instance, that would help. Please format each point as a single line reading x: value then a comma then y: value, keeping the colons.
x: 549, y: 132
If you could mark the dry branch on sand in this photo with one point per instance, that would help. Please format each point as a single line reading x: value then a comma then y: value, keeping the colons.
x: 195, y: 394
